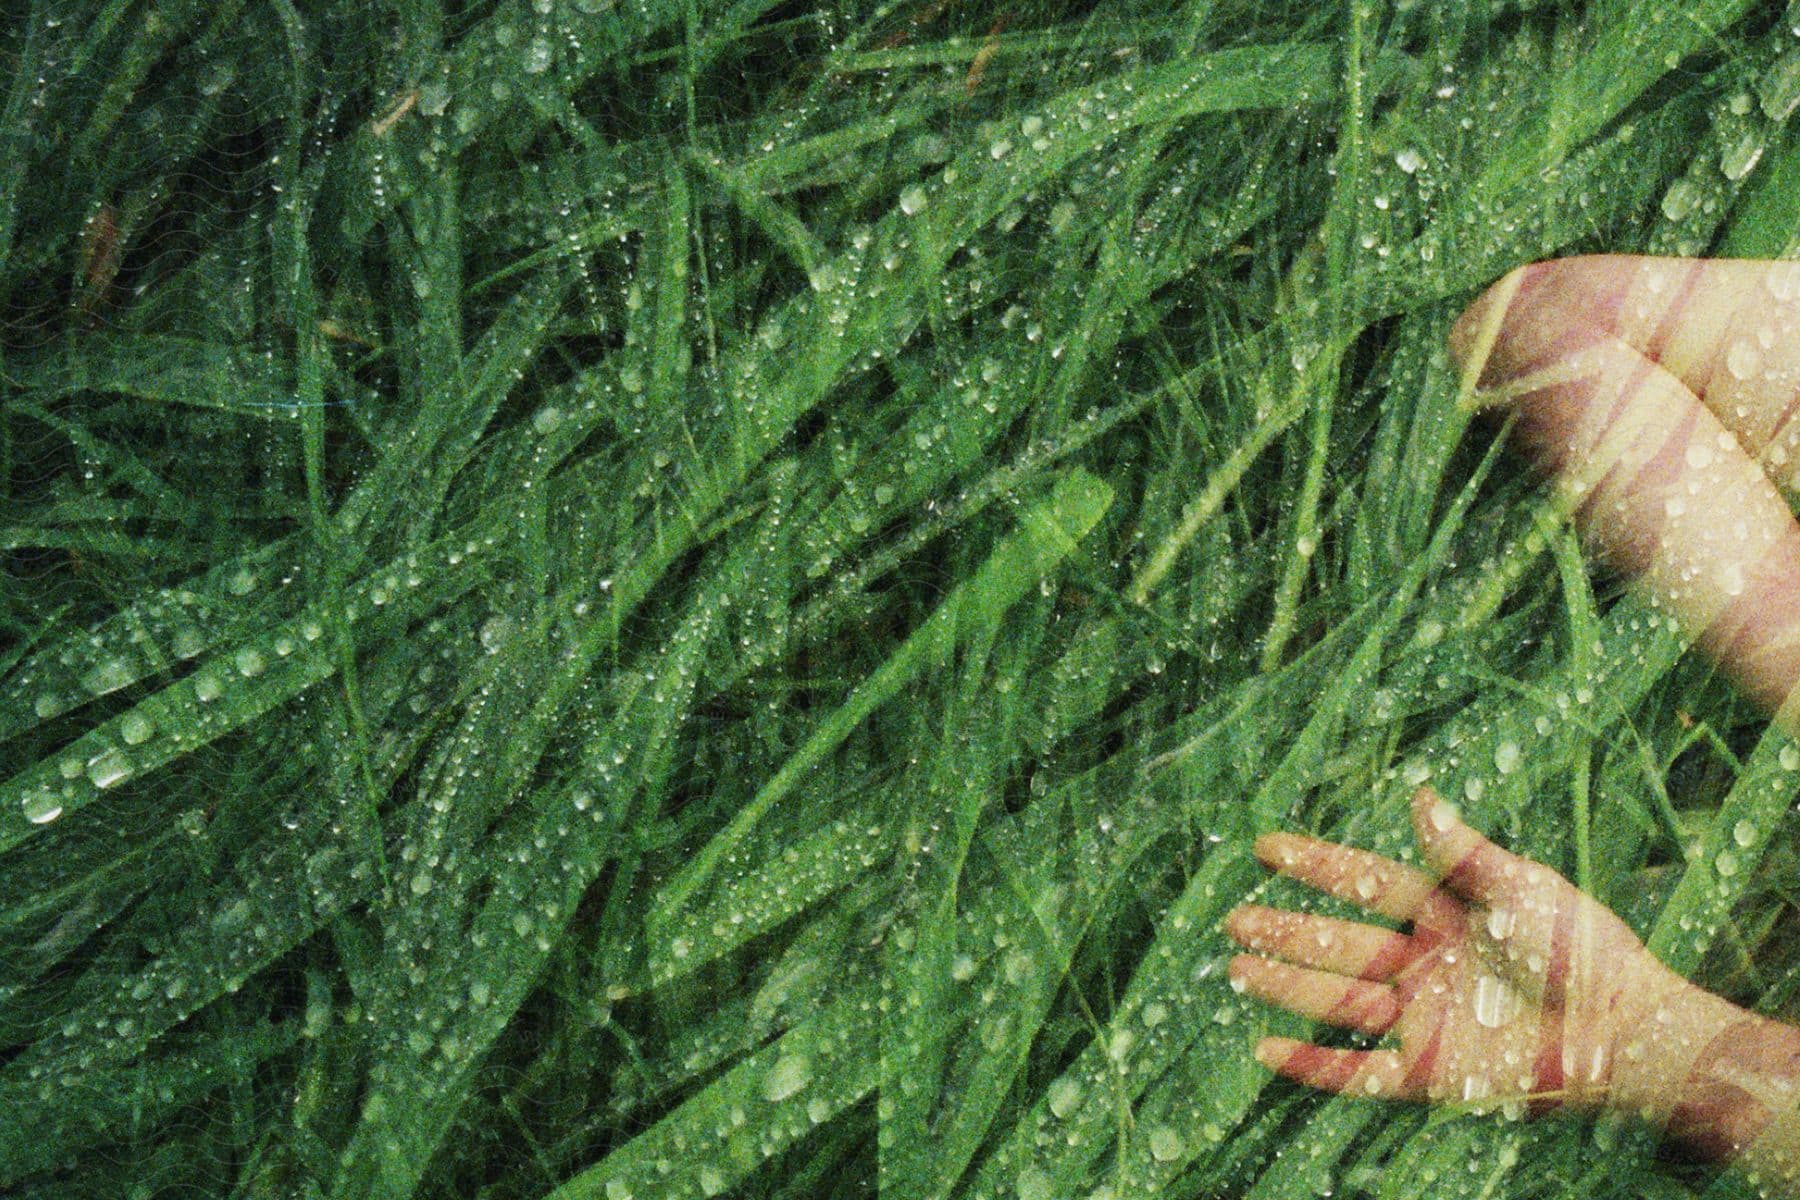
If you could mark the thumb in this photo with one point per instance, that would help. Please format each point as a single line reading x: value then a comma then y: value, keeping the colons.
x: 1469, y: 865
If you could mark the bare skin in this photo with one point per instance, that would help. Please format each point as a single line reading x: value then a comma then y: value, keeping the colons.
x: 1663, y: 397
x: 1512, y: 989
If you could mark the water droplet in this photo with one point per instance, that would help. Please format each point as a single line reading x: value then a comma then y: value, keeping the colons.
x: 1501, y: 922
x: 1409, y: 160
x: 206, y: 687
x: 1064, y: 1097
x: 42, y: 807
x: 1743, y: 833
x: 1443, y: 816
x: 1782, y: 279
x: 1737, y: 159
x: 250, y: 662
x: 912, y: 200
x: 1680, y: 200
x: 1506, y: 757
x: 1035, y: 1184
x: 108, y: 768
x: 788, y: 1077
x: 109, y: 675
x: 1743, y: 358
x: 1727, y: 863
x: 1699, y: 455
x: 1165, y: 1144
x: 1495, y: 1003
x: 1790, y: 757
x: 136, y: 728
x: 711, y: 1181
x: 1366, y: 886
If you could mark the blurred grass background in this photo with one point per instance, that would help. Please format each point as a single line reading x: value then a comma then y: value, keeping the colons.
x: 636, y: 599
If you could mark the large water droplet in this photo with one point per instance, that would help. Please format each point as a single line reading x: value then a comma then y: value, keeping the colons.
x: 42, y: 807
x: 108, y: 768
x: 108, y: 675
x: 1506, y: 757
x: 1743, y: 358
x: 788, y: 1077
x: 1680, y: 200
x: 1495, y: 1002
x: 1501, y: 922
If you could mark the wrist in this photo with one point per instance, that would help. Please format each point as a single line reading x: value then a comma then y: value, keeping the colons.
x: 1721, y: 1081
x: 1668, y: 1027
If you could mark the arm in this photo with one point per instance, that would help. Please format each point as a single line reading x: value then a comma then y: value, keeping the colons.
x: 1663, y: 398
x: 1513, y: 989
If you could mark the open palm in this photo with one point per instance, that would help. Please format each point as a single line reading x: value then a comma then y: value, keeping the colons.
x: 1512, y: 986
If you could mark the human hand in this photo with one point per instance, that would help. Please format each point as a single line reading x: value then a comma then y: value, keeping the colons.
x: 1513, y: 987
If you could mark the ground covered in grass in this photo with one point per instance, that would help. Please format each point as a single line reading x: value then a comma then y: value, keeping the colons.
x: 634, y: 599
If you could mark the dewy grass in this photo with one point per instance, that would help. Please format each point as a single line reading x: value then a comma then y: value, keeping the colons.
x: 674, y: 600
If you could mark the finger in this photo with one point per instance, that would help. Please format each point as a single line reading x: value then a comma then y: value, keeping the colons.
x: 1351, y: 1072
x: 1376, y: 883
x: 1347, y: 1003
x: 1325, y: 943
x: 1470, y: 865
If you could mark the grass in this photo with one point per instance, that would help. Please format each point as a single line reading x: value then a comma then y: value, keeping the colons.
x: 668, y: 600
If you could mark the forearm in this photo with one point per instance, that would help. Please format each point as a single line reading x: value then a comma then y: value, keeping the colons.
x: 1723, y: 1082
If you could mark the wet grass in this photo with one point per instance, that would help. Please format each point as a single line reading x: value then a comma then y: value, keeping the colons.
x: 661, y: 599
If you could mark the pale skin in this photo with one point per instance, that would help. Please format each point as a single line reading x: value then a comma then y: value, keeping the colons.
x: 1640, y: 385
